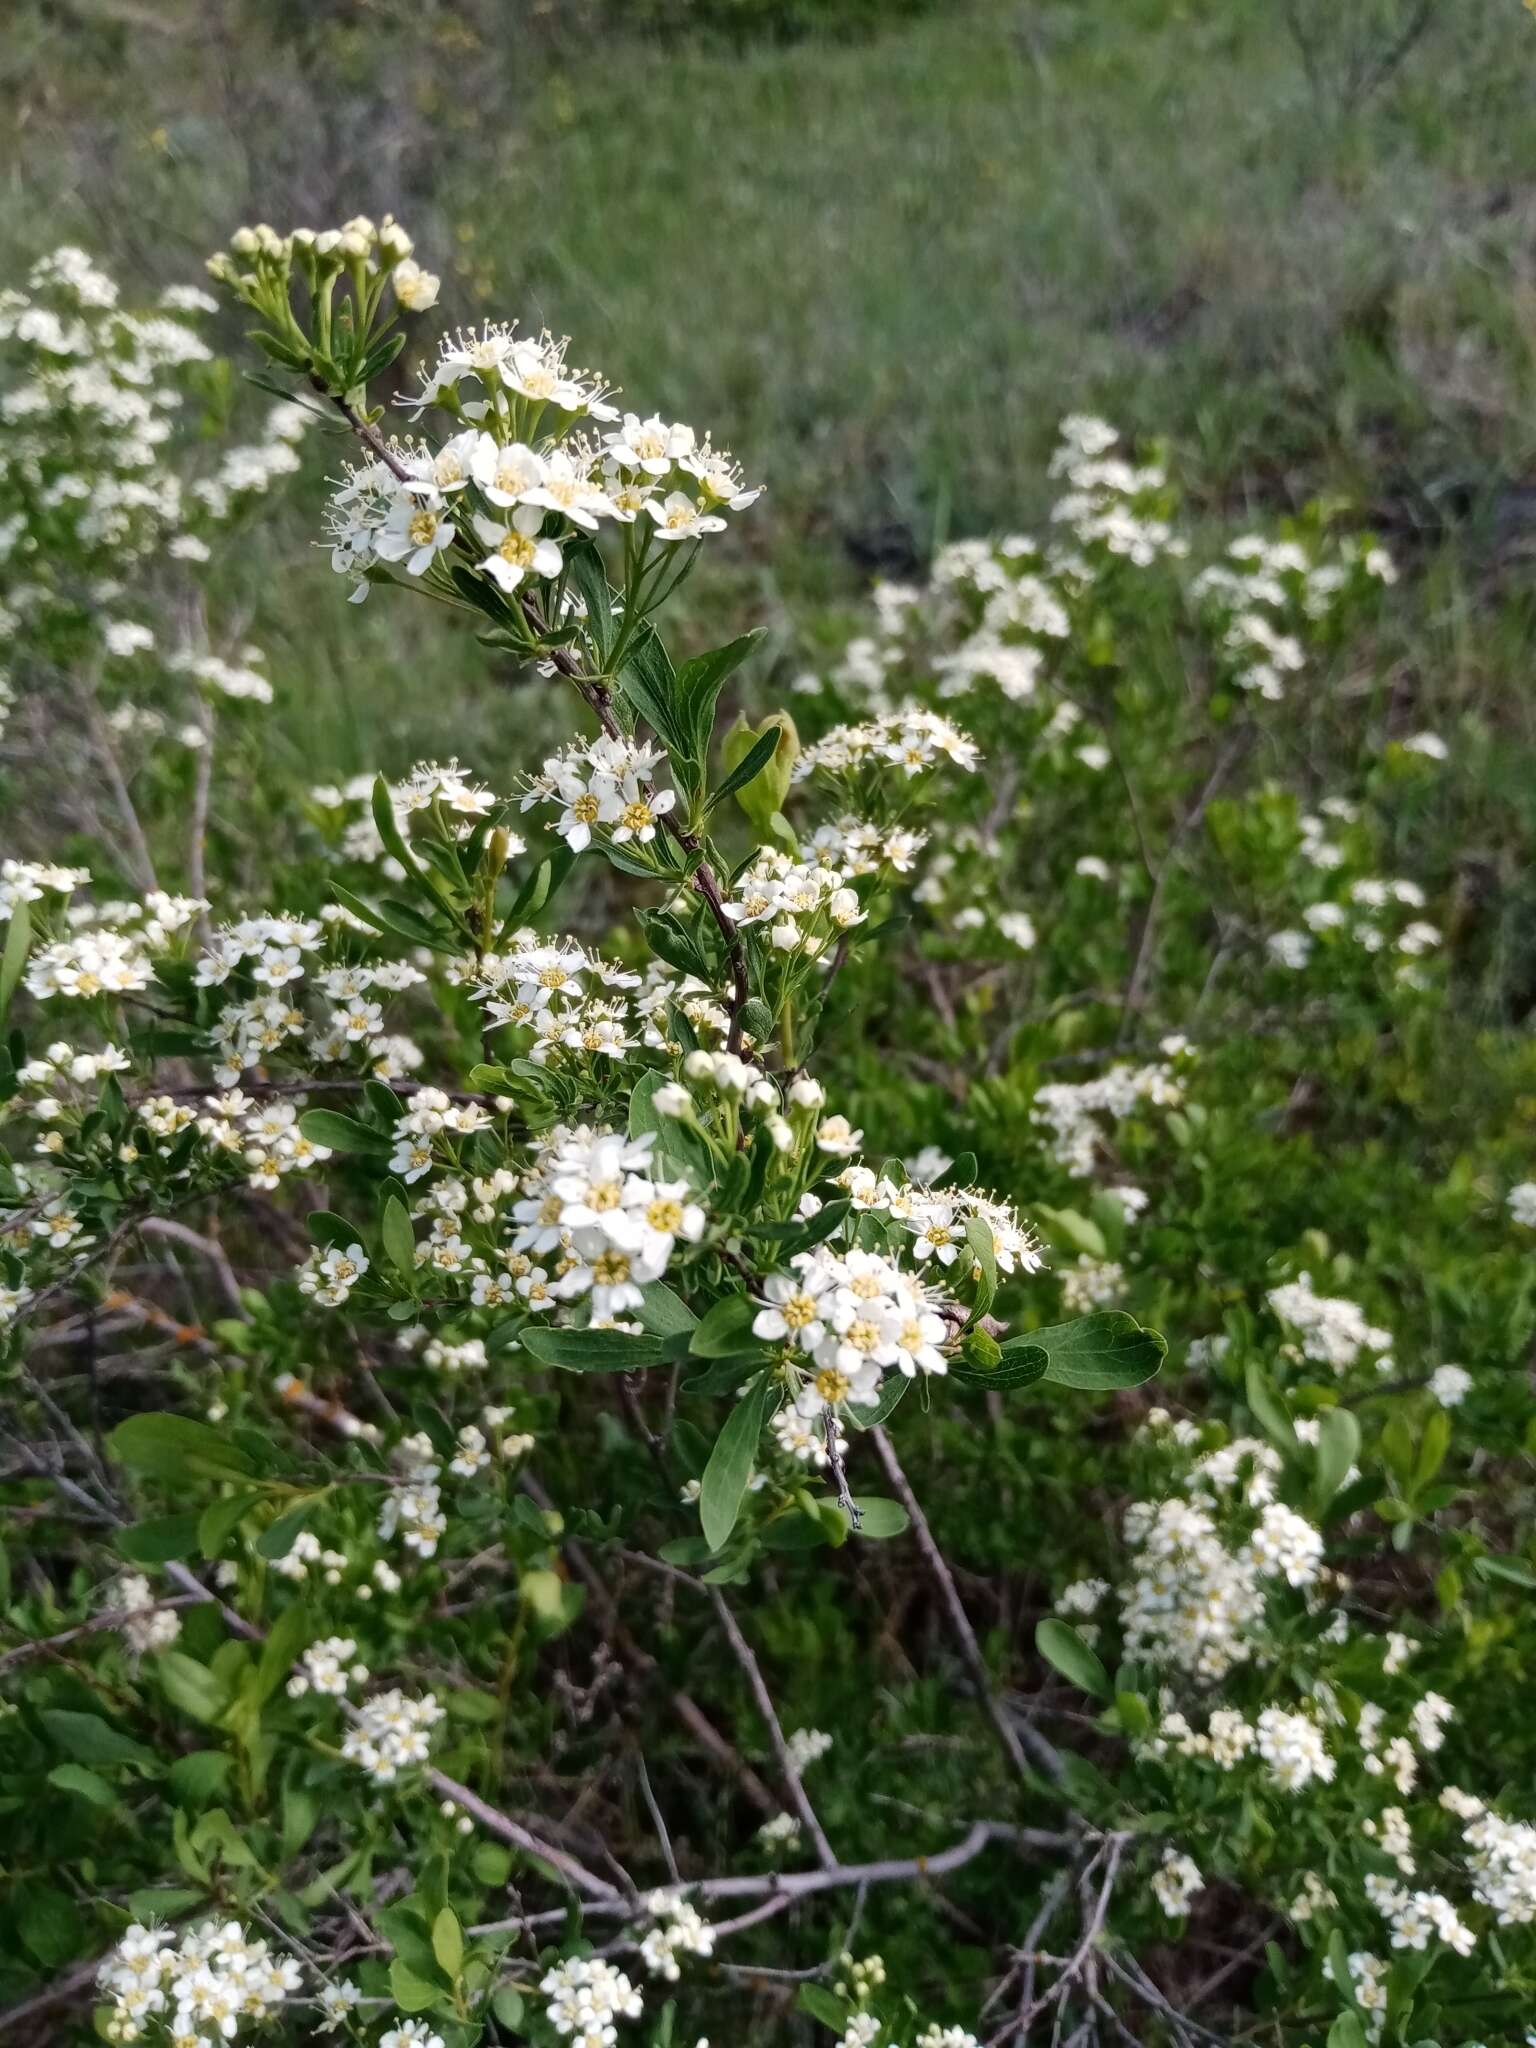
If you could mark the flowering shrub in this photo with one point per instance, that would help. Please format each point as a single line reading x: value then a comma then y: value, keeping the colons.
x: 467, y: 1327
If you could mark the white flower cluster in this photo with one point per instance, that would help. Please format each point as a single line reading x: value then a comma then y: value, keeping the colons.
x: 26, y: 881
x: 1363, y: 916
x: 937, y: 1218
x: 494, y: 486
x: 1267, y: 592
x: 1292, y: 1747
x: 1175, y: 1882
x: 586, y: 1996
x: 1417, y: 1918
x: 570, y: 998
x: 1112, y: 504
x: 1368, y: 1984
x: 328, y: 1667
x: 1196, y: 1600
x: 1330, y: 1330
x: 1079, y: 1114
x: 433, y: 1115
x: 806, y: 1746
x: 89, y: 487
x: 855, y: 1315
x: 911, y: 739
x: 604, y: 789
x: 392, y: 1733
x: 679, y: 1929
x: 591, y: 1206
x: 806, y: 905
x: 148, y: 1627
x: 205, y: 1983
x: 1501, y: 1862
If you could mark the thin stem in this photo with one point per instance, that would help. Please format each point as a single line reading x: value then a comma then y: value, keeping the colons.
x: 1011, y: 1737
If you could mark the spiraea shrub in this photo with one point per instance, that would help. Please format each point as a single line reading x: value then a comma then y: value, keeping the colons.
x: 579, y: 1464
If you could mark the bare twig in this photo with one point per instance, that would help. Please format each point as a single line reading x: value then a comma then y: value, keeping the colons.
x: 1013, y: 1737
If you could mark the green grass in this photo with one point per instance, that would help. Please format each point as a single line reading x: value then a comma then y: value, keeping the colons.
x: 880, y: 269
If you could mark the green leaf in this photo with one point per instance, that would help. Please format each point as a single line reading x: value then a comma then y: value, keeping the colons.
x: 724, y: 1485
x: 1069, y: 1231
x: 1338, y: 1446
x: 1433, y: 1445
x: 448, y: 1941
x: 196, y: 1779
x: 49, y: 1924
x: 384, y: 820
x: 1346, y: 2032
x: 289, y: 1636
x: 648, y: 681
x: 893, y: 1389
x: 279, y: 1537
x: 749, y: 767
x: 725, y: 1330
x: 341, y: 1133
x: 18, y: 941
x: 161, y: 1903
x: 983, y: 1250
x: 221, y: 1518
x: 91, y: 1740
x: 1020, y: 1363
x: 84, y: 1783
x: 598, y: 1350
x: 821, y: 2005
x: 410, y: 1992
x: 584, y: 567
x: 398, y: 1237
x: 879, y: 1519
x: 1110, y: 1349
x: 700, y: 681
x: 176, y: 1447
x: 1343, y: 1977
x: 507, y: 2004
x: 1064, y: 1648
x: 1270, y: 1412
x: 191, y: 1686
x: 161, y: 1540
x: 665, y: 1314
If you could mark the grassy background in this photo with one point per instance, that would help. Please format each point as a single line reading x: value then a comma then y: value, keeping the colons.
x: 879, y: 262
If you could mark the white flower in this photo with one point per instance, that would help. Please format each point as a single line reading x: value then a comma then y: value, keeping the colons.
x: 1450, y: 1385
x: 416, y: 533
x: 415, y: 288
x: 677, y: 517
x: 515, y: 550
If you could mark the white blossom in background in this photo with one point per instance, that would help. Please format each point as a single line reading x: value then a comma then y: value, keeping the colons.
x: 1331, y: 1331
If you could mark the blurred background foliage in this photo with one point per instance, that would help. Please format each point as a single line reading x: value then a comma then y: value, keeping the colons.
x: 880, y: 246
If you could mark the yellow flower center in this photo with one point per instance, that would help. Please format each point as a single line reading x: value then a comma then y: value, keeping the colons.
x: 610, y: 1269
x: 665, y: 1215
x: 422, y: 529
x: 585, y: 808
x: 517, y: 550
x: 637, y: 816
x: 862, y: 1335
x: 799, y: 1311
x: 832, y: 1385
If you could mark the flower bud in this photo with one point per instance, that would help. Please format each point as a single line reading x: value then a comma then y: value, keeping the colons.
x: 673, y: 1099
x: 807, y: 1093
x: 243, y: 242
x: 394, y: 243
x: 699, y: 1066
